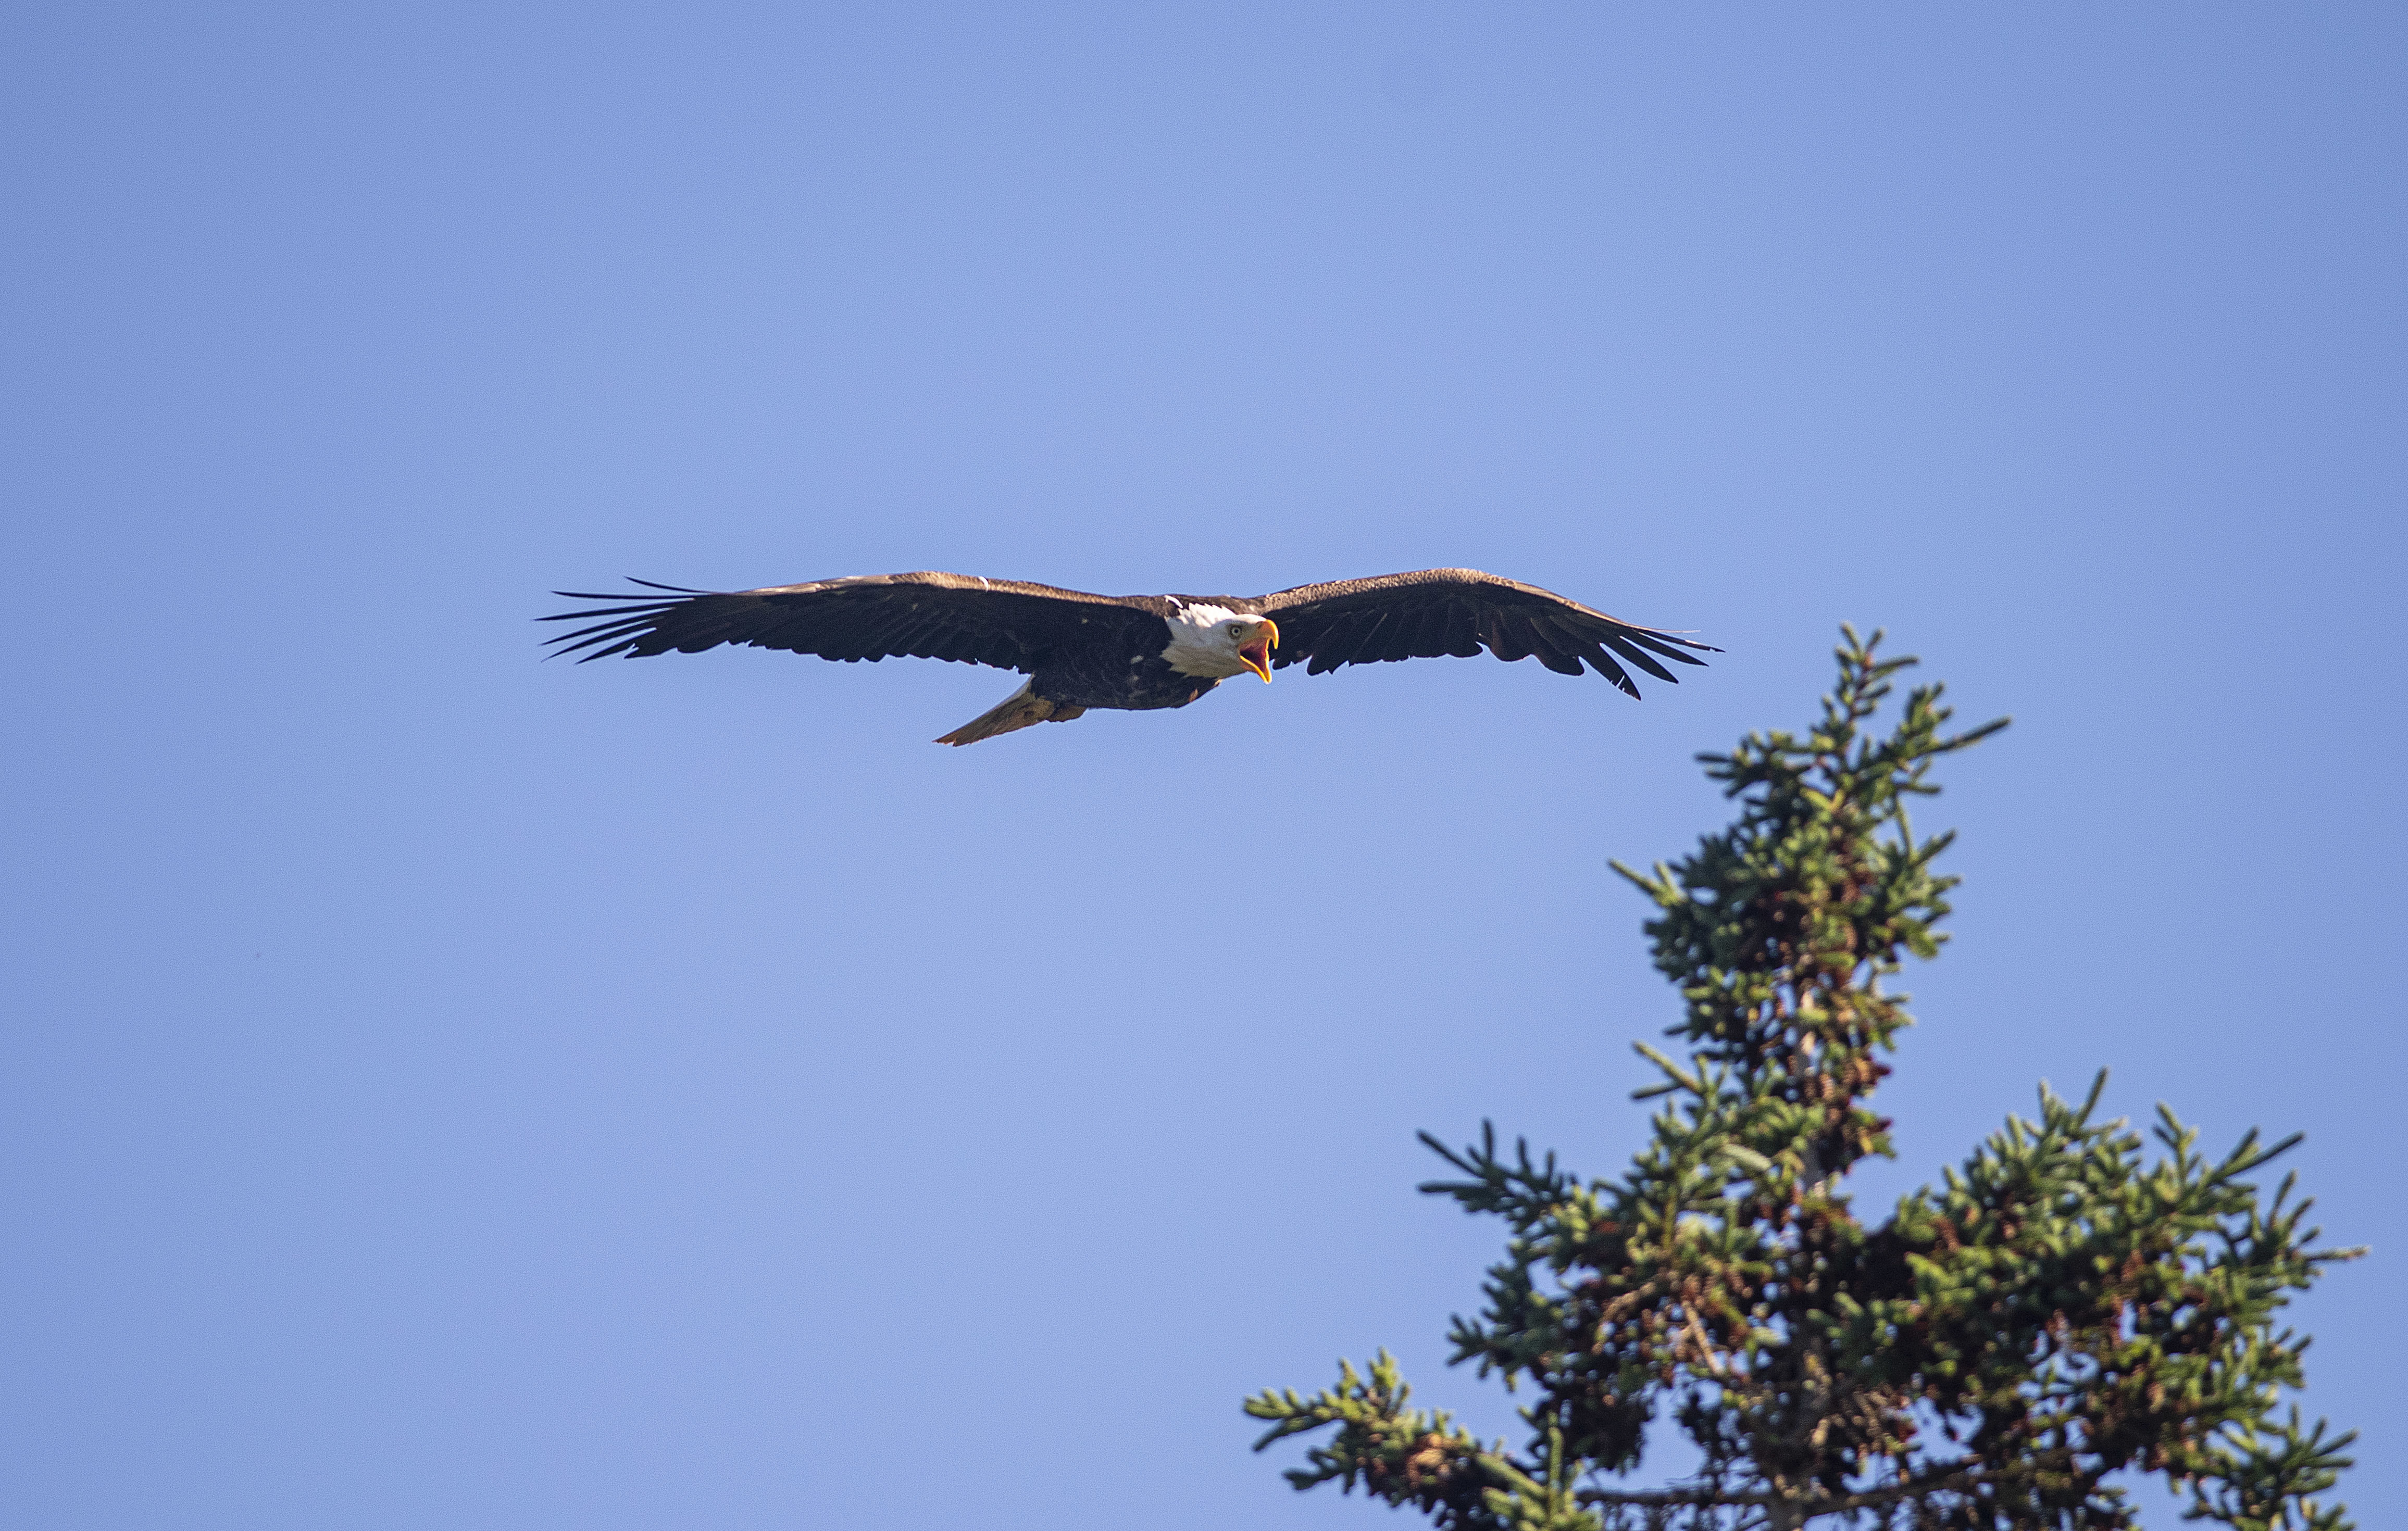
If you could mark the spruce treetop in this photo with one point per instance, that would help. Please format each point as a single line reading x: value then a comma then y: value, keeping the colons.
x: 2063, y: 1306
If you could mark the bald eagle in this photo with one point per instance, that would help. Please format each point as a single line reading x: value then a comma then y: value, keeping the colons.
x: 1134, y: 653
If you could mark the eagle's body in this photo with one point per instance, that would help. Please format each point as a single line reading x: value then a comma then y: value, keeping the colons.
x: 1131, y: 652
x: 1136, y: 660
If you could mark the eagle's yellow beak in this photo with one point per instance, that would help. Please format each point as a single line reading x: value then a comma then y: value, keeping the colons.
x: 1257, y: 656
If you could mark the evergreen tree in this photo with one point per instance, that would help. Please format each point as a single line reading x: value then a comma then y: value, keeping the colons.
x: 2061, y: 1308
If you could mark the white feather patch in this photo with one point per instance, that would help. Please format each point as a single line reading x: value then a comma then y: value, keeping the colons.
x: 1204, y: 641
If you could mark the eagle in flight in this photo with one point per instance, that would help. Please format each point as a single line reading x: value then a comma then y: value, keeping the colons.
x: 1134, y: 653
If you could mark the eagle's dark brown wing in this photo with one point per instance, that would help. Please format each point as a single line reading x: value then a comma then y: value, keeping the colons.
x: 1460, y: 611
x: 1003, y: 622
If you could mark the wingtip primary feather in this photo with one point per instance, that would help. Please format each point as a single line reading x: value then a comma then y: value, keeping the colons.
x: 623, y: 627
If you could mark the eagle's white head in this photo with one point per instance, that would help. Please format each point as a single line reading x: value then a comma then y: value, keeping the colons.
x: 1215, y: 642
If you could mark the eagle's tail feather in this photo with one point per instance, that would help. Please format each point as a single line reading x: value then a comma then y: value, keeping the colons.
x: 1021, y: 709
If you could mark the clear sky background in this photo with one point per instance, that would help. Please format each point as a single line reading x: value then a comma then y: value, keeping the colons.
x: 447, y: 1089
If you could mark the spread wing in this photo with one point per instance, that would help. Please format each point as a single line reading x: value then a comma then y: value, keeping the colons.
x: 1003, y: 622
x: 1459, y: 611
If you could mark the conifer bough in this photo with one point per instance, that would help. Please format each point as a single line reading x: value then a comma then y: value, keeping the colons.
x: 2062, y: 1309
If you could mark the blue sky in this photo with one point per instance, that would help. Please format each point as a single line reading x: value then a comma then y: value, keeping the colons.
x: 444, y: 1088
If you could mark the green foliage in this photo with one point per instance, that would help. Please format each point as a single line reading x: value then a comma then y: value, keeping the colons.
x: 2061, y: 1308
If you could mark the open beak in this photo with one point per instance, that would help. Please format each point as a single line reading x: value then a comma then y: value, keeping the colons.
x: 1257, y: 654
